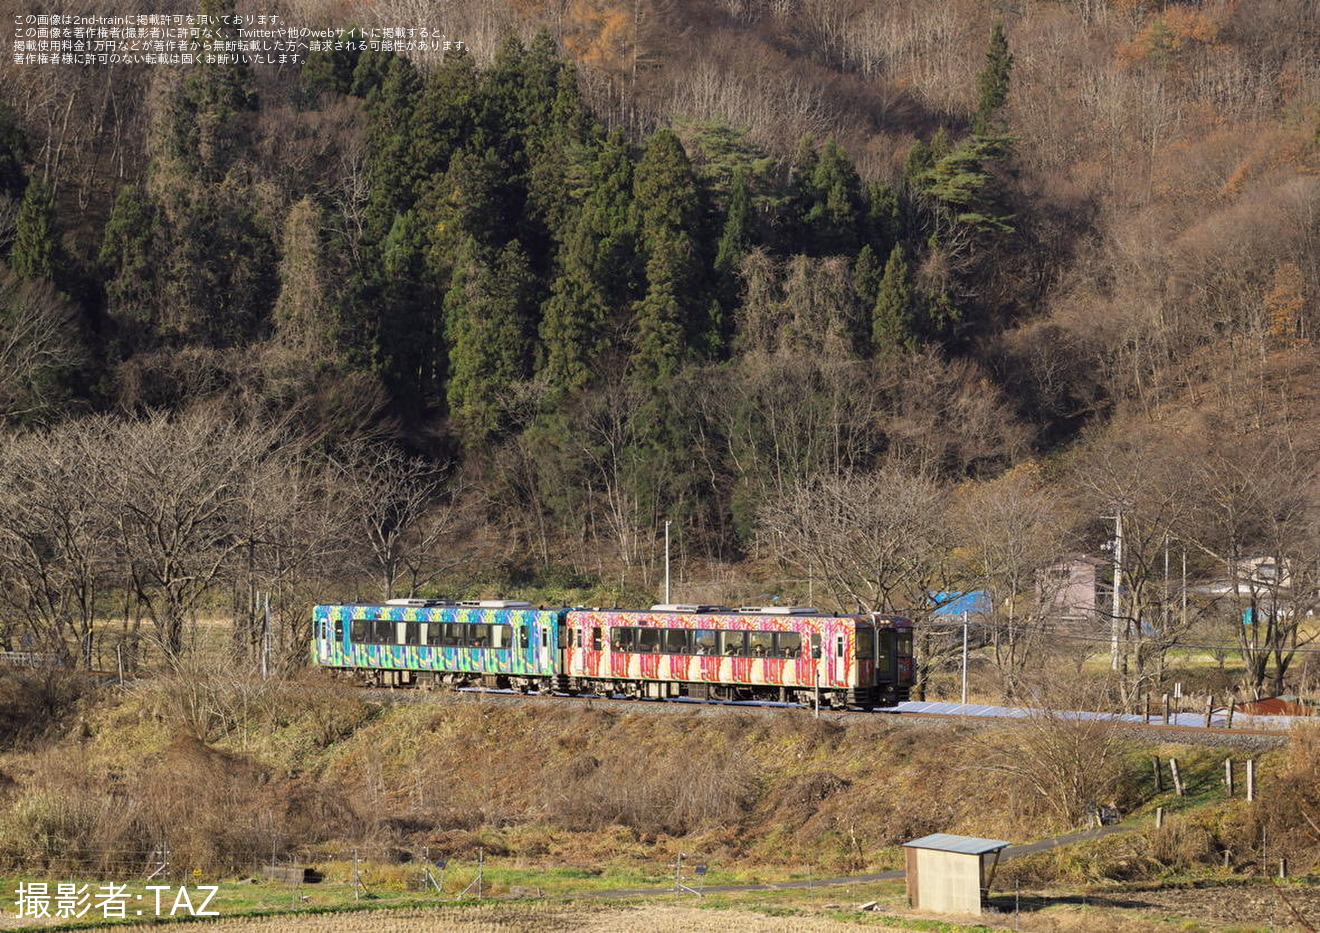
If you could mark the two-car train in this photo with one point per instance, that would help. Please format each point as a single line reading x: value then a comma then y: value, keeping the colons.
x: 788, y: 654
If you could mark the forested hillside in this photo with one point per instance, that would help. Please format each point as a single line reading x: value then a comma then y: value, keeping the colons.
x: 895, y: 297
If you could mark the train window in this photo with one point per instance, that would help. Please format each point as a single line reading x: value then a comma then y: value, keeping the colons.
x: 433, y: 636
x: 499, y: 636
x: 678, y: 641
x: 733, y: 644
x: 479, y: 636
x: 563, y: 636
x: 865, y: 644
x: 648, y: 641
x: 621, y: 639
x: 788, y: 644
x: 361, y: 631
x: 412, y: 633
x: 338, y: 630
x: 454, y: 634
x: 545, y: 638
x: 704, y: 641
x: 761, y: 644
x: 524, y: 638
x: 577, y: 638
x: 905, y: 644
x: 838, y: 646
x: 595, y: 639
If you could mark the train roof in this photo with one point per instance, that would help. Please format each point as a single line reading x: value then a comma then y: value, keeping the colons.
x: 699, y: 610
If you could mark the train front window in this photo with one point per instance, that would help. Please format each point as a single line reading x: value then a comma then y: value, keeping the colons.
x: 884, y: 660
x: 865, y: 644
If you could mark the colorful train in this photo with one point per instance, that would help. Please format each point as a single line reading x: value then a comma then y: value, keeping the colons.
x: 787, y: 654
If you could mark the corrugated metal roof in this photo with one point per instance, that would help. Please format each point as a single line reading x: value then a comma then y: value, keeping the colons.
x: 969, y: 845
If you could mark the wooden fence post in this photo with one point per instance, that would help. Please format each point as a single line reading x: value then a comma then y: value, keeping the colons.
x: 1159, y: 775
x: 1228, y: 776
x: 1232, y: 705
x: 1251, y: 779
x: 1177, y: 778
x: 1159, y: 817
x: 1145, y: 711
x: 1209, y: 709
x: 1166, y: 709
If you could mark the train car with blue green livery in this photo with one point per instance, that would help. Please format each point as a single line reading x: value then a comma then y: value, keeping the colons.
x: 499, y: 644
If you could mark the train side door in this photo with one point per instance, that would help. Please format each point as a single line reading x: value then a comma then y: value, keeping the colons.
x: 544, y: 646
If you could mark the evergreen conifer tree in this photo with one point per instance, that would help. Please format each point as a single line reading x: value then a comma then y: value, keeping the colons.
x: 128, y: 266
x: 596, y: 272
x: 391, y: 172
x: 867, y: 275
x: 489, y: 323
x: 667, y: 315
x: 732, y: 248
x: 442, y: 119
x: 993, y: 83
x: 13, y: 153
x: 33, y: 255
x: 210, y: 114
x: 834, y: 218
x: 894, y: 320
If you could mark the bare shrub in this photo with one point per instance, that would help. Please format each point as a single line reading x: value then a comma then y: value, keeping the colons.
x: 1286, y: 818
x: 1067, y: 766
x: 38, y: 702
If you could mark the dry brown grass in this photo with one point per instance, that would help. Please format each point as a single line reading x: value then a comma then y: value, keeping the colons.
x: 538, y: 918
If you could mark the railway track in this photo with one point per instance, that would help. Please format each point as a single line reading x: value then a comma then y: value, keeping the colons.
x: 1247, y: 737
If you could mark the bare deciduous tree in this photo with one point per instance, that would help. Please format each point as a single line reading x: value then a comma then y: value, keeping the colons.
x: 38, y: 347
x: 174, y: 488
x: 55, y: 557
x: 403, y: 511
x: 1008, y: 530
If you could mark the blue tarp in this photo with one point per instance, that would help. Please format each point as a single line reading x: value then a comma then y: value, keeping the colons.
x: 973, y: 602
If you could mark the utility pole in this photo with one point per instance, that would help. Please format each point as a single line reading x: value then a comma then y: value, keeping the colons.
x: 964, y: 660
x: 667, y: 561
x: 1118, y: 582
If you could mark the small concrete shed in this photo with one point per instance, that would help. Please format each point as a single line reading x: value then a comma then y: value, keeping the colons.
x: 948, y: 874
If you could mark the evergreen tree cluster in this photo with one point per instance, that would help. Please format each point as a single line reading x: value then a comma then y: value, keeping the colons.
x: 511, y: 270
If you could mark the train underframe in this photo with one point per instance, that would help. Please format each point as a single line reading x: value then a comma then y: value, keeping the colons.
x: 832, y: 697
